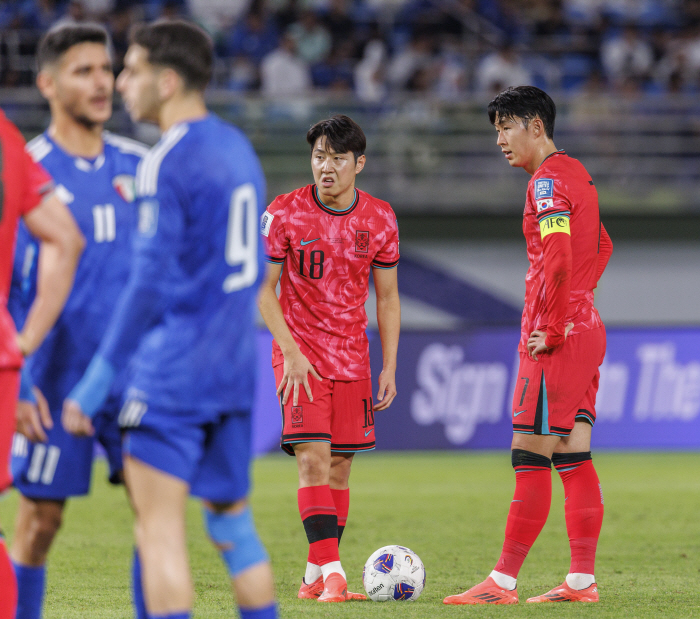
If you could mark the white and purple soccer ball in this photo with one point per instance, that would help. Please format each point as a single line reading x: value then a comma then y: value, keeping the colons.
x: 393, y: 573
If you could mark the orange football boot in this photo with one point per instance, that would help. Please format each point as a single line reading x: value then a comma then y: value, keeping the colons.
x: 564, y: 593
x: 487, y: 592
x: 312, y: 591
x: 335, y: 589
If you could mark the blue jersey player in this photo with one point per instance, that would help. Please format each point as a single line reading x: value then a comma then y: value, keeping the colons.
x: 94, y: 172
x: 188, y: 313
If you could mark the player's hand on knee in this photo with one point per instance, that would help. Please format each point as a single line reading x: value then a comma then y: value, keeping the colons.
x: 75, y: 421
x: 387, y: 390
x: 32, y: 419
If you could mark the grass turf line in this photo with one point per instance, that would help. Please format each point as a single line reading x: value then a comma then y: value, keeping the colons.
x: 450, y: 508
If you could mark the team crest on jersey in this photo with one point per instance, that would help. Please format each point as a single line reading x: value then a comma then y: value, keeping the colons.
x: 544, y: 188
x: 266, y: 223
x: 361, y: 241
x: 148, y: 217
x: 125, y: 185
x: 297, y: 416
x: 544, y: 204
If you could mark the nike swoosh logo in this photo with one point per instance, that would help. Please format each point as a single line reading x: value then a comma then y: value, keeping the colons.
x: 519, y: 413
x: 368, y: 431
x: 303, y: 242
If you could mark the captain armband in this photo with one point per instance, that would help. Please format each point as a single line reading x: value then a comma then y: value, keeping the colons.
x: 557, y: 222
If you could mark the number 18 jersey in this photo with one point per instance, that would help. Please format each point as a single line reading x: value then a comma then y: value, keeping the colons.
x: 327, y: 257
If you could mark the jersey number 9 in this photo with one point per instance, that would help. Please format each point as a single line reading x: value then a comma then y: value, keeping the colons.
x: 242, y: 238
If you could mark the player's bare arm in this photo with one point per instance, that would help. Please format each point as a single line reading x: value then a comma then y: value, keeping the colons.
x: 296, y: 366
x: 389, y: 321
x: 61, y: 246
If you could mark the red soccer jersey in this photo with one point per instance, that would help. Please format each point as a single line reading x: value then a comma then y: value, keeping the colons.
x: 23, y: 184
x: 327, y: 256
x: 567, y: 247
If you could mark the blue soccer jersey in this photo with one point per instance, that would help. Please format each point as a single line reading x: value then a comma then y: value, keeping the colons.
x: 101, y: 195
x: 189, y: 307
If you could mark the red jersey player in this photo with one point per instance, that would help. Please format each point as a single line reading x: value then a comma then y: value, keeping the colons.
x: 561, y: 348
x: 328, y: 237
x: 25, y: 191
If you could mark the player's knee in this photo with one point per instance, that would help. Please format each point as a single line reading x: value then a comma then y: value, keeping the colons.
x: 42, y: 528
x: 235, y: 536
x: 522, y: 458
x: 313, y: 469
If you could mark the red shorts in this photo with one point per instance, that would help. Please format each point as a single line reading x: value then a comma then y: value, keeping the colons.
x: 560, y: 388
x: 341, y: 414
x: 9, y: 392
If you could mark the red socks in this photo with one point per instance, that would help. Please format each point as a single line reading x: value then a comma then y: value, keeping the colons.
x: 528, y: 510
x: 341, y: 500
x: 583, y: 508
x: 320, y: 519
x: 8, y: 584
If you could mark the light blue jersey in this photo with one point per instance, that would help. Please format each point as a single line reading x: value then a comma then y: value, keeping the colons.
x: 101, y: 196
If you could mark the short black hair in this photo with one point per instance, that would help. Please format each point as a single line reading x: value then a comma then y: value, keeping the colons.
x: 342, y: 133
x: 181, y: 46
x: 59, y: 40
x: 526, y: 103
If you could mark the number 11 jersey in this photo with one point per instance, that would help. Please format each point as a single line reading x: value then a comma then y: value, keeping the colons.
x: 327, y: 257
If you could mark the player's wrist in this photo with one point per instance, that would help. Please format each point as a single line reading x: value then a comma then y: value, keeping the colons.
x: 26, y: 386
x: 92, y: 390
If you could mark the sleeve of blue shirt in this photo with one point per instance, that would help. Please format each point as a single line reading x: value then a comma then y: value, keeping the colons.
x: 145, y: 297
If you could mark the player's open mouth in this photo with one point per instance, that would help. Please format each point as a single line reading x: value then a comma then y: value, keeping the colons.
x: 327, y: 181
x: 508, y: 154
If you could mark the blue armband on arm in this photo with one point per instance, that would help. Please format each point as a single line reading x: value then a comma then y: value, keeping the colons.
x: 26, y: 386
x: 93, y: 389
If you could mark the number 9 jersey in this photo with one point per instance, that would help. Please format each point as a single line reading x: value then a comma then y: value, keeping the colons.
x: 327, y: 256
x: 201, y: 193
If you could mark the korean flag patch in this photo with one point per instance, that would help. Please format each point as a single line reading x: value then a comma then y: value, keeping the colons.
x: 544, y: 188
x: 266, y: 223
x: 544, y: 204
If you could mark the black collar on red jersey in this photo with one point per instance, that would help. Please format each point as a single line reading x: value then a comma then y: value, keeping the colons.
x: 331, y: 211
x: 556, y: 152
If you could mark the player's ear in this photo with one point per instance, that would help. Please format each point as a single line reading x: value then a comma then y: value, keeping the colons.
x: 45, y: 82
x: 360, y: 164
x: 537, y: 127
x: 168, y: 83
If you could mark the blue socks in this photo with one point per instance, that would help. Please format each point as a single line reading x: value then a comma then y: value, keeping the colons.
x: 269, y: 612
x: 30, y: 590
x: 173, y: 616
x: 137, y: 598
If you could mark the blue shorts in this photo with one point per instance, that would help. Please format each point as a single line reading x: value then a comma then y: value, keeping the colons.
x: 62, y: 467
x: 210, y: 453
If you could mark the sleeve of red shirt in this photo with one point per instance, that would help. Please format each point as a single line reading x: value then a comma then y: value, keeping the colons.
x: 272, y: 228
x: 557, y: 256
x: 388, y: 255
x: 557, y: 277
x: 605, y: 250
x: 39, y: 184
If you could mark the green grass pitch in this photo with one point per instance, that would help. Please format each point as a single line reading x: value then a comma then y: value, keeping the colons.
x: 450, y: 508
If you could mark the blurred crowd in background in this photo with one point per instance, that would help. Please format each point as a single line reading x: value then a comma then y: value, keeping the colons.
x: 374, y: 48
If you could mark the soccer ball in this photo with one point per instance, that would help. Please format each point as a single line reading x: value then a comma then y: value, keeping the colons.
x: 393, y: 573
